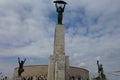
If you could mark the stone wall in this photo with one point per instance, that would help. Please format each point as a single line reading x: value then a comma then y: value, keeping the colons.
x: 40, y: 72
x: 78, y: 74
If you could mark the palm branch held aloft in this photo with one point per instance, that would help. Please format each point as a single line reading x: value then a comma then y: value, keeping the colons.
x: 21, y: 63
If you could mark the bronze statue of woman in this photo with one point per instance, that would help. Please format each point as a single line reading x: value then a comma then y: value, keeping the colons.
x: 60, y: 11
x: 21, y: 63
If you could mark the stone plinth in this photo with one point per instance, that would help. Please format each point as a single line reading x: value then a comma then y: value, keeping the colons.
x: 58, y: 68
x: 58, y: 63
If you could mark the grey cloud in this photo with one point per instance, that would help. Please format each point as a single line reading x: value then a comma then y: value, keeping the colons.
x: 92, y: 31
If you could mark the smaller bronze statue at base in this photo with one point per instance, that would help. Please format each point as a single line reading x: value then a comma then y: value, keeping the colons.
x: 20, y: 69
x: 101, y: 71
x: 100, y: 68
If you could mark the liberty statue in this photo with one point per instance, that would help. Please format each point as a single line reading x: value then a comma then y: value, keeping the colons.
x: 60, y: 6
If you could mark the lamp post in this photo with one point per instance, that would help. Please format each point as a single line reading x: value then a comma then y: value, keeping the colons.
x: 60, y: 6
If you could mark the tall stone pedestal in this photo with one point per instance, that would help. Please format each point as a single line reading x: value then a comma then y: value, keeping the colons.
x: 58, y: 68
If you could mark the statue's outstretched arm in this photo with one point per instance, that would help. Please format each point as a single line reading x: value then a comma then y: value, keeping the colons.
x: 97, y: 63
x: 24, y: 60
x: 64, y: 6
x: 18, y: 60
x: 56, y: 5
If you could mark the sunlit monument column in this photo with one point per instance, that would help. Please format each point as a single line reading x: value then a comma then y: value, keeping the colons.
x: 58, y: 68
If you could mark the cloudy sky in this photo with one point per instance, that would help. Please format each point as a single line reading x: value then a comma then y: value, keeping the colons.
x: 92, y: 32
